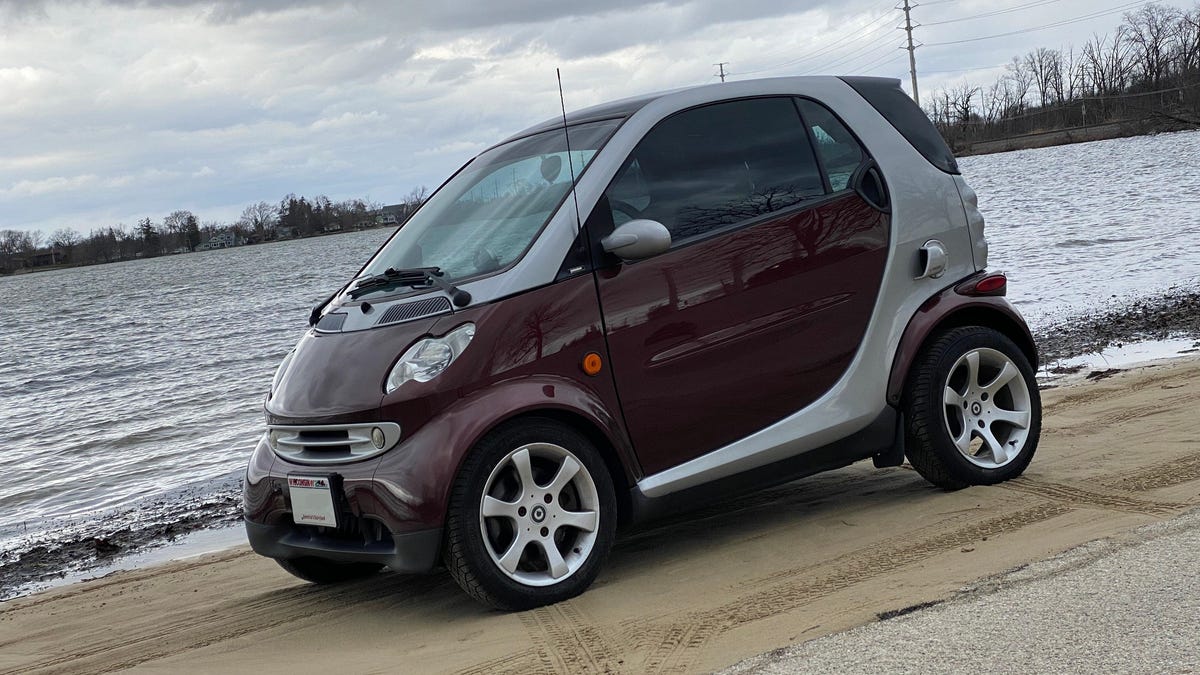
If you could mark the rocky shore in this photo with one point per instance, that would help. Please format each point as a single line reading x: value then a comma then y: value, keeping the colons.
x: 1174, y: 313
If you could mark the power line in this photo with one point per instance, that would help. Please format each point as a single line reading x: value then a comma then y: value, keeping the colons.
x: 868, y: 50
x: 997, y: 12
x: 1056, y: 24
x: 856, y: 32
x: 885, y: 60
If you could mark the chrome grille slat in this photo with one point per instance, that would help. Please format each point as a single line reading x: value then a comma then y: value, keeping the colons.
x: 301, y: 442
x: 330, y: 443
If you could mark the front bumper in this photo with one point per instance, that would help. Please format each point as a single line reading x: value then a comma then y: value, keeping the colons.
x: 410, y: 552
x: 378, y: 521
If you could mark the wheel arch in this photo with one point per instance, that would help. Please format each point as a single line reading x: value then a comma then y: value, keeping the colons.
x: 621, y: 476
x: 949, y: 310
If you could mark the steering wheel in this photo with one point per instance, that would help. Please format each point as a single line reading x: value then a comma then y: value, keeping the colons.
x: 484, y: 261
x: 626, y: 208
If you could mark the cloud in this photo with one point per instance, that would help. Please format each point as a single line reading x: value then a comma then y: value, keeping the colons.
x: 135, y: 109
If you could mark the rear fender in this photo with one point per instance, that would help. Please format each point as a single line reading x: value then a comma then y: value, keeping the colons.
x: 950, y: 308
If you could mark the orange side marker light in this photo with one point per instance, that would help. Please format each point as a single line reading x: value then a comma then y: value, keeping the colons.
x: 592, y: 363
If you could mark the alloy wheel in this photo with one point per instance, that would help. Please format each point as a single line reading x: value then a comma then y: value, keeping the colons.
x: 539, y: 514
x: 987, y: 408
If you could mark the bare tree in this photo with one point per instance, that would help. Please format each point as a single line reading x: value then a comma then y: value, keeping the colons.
x: 1043, y: 66
x: 1151, y: 34
x: 66, y: 240
x: 1187, y: 41
x: 1108, y: 62
x: 1021, y: 81
x: 261, y: 218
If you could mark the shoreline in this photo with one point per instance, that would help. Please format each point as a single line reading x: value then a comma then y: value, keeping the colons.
x: 1067, y: 346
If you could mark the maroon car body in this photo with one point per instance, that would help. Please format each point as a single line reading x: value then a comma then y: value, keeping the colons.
x: 674, y: 328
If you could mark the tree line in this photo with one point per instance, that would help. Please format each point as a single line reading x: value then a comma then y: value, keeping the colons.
x: 182, y: 231
x: 1146, y: 74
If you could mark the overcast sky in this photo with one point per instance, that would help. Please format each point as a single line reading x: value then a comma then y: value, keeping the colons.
x: 115, y: 111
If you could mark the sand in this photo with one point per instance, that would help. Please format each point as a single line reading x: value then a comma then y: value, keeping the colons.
x: 692, y: 594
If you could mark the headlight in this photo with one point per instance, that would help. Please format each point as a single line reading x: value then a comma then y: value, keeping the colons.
x: 283, y: 365
x: 427, y: 359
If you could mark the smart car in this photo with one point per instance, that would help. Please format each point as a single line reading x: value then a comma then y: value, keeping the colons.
x: 635, y: 308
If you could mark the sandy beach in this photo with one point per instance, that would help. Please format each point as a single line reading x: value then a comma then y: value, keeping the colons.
x: 692, y: 594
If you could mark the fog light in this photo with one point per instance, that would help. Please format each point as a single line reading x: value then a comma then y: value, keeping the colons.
x: 377, y: 437
x: 273, y: 439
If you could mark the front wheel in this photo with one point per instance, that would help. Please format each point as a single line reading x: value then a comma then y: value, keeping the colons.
x: 532, y: 516
x: 974, y: 413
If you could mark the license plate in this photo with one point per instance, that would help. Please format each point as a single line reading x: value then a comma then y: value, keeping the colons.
x: 312, y: 501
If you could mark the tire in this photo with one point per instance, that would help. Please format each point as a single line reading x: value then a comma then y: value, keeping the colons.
x: 321, y: 571
x: 508, y: 544
x: 974, y: 414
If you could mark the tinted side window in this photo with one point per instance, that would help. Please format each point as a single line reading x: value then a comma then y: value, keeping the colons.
x: 717, y: 165
x: 839, y: 150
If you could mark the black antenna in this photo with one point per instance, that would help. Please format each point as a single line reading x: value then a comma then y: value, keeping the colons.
x: 570, y: 162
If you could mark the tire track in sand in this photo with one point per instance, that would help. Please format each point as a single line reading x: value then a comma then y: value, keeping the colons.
x: 104, y: 651
x: 1073, y: 495
x: 684, y: 635
x: 564, y: 641
x: 1168, y: 474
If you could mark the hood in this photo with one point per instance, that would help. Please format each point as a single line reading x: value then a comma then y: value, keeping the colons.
x: 342, y: 373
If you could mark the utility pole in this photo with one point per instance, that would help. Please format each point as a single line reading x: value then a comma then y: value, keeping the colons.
x: 912, y: 57
x: 722, y: 65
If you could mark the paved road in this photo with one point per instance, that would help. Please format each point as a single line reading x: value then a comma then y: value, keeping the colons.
x: 1130, y: 606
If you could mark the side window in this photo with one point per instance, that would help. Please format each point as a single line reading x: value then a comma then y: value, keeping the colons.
x: 840, y: 152
x: 717, y: 165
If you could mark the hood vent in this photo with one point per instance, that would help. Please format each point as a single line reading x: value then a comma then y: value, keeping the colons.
x: 415, y: 310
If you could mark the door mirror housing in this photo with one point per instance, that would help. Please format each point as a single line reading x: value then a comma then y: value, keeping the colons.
x: 638, y: 239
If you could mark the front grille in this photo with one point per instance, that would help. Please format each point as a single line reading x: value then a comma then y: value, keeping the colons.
x: 409, y: 311
x: 351, y: 529
x: 331, y: 443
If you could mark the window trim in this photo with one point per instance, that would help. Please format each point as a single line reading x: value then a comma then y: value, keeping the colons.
x: 603, y: 259
x: 751, y: 221
x: 866, y: 158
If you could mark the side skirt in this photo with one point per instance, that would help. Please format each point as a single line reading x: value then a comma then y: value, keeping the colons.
x: 882, y: 439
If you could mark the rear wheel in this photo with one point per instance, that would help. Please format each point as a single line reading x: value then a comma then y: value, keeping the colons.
x: 532, y: 516
x: 974, y: 413
x: 321, y: 571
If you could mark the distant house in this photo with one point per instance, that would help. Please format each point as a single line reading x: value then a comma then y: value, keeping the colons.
x: 50, y: 256
x: 392, y: 215
x: 226, y: 239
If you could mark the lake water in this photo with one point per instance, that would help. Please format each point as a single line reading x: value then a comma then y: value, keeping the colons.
x: 140, y: 384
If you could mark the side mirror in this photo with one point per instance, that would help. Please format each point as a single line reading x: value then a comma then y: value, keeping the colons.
x: 638, y: 239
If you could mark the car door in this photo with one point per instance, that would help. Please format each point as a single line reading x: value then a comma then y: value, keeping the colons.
x: 763, y: 298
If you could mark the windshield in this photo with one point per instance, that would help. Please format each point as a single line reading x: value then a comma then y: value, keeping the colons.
x: 484, y: 218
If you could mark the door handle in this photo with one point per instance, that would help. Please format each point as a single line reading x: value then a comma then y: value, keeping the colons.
x: 932, y: 260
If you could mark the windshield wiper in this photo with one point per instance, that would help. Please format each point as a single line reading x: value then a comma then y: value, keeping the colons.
x: 415, y: 276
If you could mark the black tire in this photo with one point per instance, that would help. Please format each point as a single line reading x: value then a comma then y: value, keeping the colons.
x: 321, y: 571
x: 469, y: 557
x: 932, y: 427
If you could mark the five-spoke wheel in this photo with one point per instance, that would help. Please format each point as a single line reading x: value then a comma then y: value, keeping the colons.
x: 973, y: 410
